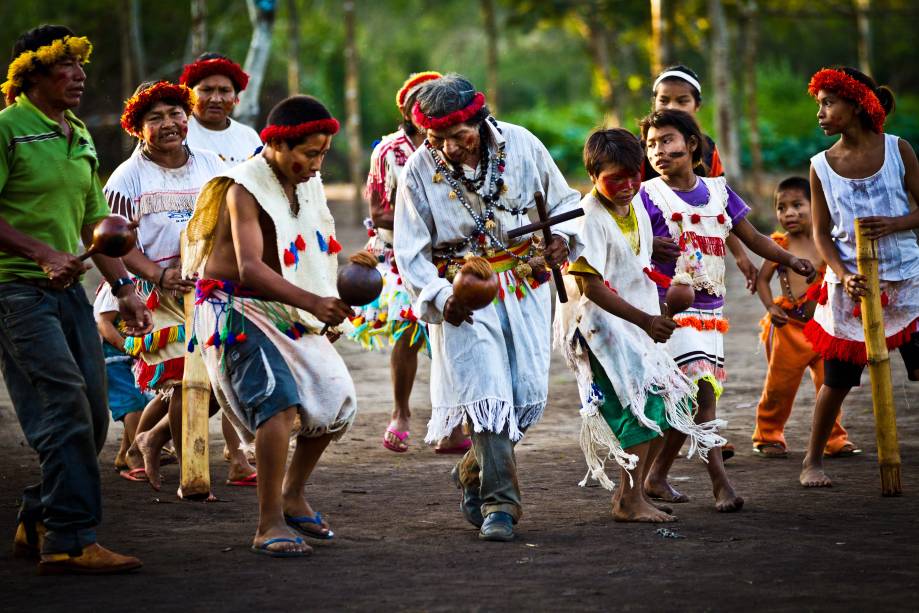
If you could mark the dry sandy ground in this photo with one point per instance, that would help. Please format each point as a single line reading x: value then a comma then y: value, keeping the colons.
x: 402, y: 543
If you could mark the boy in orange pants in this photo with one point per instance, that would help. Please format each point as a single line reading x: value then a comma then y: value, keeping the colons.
x: 787, y: 350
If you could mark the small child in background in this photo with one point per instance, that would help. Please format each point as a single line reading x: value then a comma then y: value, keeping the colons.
x: 787, y: 350
x: 126, y: 401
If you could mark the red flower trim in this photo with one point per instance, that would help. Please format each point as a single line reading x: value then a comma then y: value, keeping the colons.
x: 456, y: 117
x: 830, y: 347
x: 326, y: 126
x: 659, y: 278
x: 721, y: 218
x: 843, y: 85
x: 676, y: 217
x: 413, y: 82
x: 695, y: 218
x: 136, y: 106
x: 196, y: 72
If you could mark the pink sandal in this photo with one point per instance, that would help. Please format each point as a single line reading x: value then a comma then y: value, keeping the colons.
x: 399, y: 435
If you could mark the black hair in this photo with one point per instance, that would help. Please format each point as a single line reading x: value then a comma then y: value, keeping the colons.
x: 211, y: 55
x: 613, y: 146
x: 696, y: 94
x: 799, y: 183
x: 407, y: 125
x: 32, y: 40
x: 295, y: 110
x: 685, y: 123
x: 884, y: 94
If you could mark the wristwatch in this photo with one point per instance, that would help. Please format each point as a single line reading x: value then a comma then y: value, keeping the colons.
x: 119, y: 283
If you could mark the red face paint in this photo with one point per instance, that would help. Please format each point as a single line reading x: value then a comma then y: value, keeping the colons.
x: 296, y: 167
x: 615, y: 185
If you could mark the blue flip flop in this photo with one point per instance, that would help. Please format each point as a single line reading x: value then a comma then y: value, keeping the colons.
x: 297, y: 524
x: 263, y: 548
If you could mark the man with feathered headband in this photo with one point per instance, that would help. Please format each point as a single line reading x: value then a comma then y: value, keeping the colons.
x: 262, y: 242
x: 472, y: 182
x: 389, y: 320
x: 51, y: 357
x: 217, y: 81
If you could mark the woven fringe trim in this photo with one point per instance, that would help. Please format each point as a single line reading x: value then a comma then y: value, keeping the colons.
x: 833, y: 348
x: 485, y: 415
x: 599, y: 444
x: 703, y: 325
x: 151, y: 376
x: 153, y: 342
x: 715, y: 376
x: 163, y: 202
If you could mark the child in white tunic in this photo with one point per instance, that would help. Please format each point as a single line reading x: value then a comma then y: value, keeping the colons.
x: 866, y: 176
x: 631, y: 388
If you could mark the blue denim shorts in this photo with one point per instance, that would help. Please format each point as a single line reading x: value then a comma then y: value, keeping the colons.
x: 260, y: 377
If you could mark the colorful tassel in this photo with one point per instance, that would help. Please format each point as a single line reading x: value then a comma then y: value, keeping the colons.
x: 334, y: 245
x: 300, y: 244
x: 322, y: 244
x: 659, y: 278
x: 153, y: 300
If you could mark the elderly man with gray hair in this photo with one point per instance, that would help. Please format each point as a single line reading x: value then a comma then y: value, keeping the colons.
x: 472, y: 182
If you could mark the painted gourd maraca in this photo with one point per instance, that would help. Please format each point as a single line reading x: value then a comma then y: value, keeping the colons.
x: 113, y: 236
x: 679, y: 297
x: 359, y: 281
x: 476, y: 284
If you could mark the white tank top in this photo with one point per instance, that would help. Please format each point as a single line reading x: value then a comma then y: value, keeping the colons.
x: 882, y: 194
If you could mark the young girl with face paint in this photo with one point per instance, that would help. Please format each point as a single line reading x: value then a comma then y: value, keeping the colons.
x: 866, y: 175
x: 698, y: 214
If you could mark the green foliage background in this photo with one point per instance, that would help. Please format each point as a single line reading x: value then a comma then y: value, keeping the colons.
x: 547, y: 81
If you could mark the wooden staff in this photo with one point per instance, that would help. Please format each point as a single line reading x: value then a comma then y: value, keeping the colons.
x: 885, y: 418
x: 196, y: 397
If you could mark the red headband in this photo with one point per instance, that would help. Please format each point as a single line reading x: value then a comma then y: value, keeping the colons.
x: 413, y: 82
x: 845, y: 86
x: 460, y: 116
x: 136, y: 106
x: 202, y: 69
x: 326, y: 126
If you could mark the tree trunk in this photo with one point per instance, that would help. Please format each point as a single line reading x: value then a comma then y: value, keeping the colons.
x: 598, y: 36
x: 724, y: 112
x: 138, y: 53
x: 660, y: 35
x: 262, y: 18
x: 751, y: 38
x: 863, y: 21
x: 491, y: 54
x: 353, y: 108
x: 293, y: 48
x: 198, y: 27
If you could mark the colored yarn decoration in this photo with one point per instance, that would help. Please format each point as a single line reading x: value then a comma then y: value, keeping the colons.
x: 299, y: 243
x: 153, y: 300
x: 334, y: 245
x: 721, y: 218
x: 695, y: 218
x: 322, y: 244
x: 659, y: 278
x: 676, y: 217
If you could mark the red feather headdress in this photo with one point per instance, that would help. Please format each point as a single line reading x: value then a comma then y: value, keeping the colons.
x: 140, y: 103
x: 202, y: 69
x: 844, y: 86
x: 412, y: 82
x: 326, y: 126
x: 460, y: 116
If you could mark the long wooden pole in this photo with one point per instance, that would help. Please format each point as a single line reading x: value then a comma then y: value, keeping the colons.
x: 885, y: 418
x: 195, y: 482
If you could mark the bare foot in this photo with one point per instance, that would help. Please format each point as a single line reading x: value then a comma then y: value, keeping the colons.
x: 134, y: 458
x: 639, y: 512
x: 726, y: 499
x: 295, y: 544
x: 151, y: 459
x: 662, y: 490
x: 456, y: 440
x: 812, y: 475
x: 239, y: 467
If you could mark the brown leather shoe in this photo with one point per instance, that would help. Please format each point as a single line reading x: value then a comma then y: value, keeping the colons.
x: 93, y: 560
x: 28, y: 540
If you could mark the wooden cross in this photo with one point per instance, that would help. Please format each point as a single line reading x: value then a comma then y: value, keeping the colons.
x: 545, y: 224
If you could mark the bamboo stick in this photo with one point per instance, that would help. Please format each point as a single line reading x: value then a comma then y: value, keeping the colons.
x: 885, y: 418
x: 196, y: 394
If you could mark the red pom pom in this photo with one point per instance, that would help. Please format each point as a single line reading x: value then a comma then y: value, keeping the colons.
x: 334, y: 245
x: 695, y: 218
x: 241, y: 337
x: 300, y: 244
x: 885, y: 299
x: 371, y: 232
x: 289, y: 258
x: 721, y: 218
x: 676, y: 217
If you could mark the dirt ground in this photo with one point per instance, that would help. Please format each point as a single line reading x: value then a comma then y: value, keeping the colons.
x: 402, y: 543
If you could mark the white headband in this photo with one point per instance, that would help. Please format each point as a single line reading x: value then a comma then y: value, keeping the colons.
x: 679, y: 75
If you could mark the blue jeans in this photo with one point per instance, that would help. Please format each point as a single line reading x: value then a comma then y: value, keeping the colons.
x: 52, y: 363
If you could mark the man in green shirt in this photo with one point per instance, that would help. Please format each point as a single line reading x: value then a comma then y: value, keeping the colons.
x: 50, y: 353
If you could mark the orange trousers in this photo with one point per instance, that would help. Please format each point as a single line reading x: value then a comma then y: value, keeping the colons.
x: 788, y: 354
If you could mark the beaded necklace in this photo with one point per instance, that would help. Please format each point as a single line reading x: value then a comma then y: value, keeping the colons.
x: 482, y: 240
